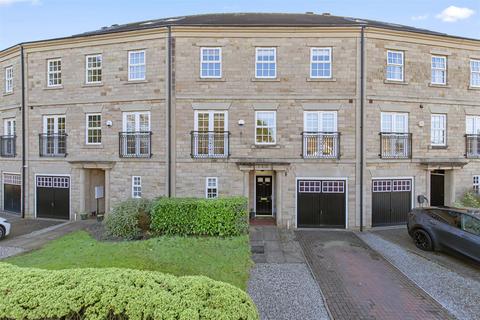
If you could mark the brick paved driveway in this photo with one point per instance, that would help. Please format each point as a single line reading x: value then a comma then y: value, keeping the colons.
x: 358, y: 283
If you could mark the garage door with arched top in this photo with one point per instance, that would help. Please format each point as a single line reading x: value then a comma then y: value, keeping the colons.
x: 321, y: 203
x: 53, y: 197
x: 391, y: 201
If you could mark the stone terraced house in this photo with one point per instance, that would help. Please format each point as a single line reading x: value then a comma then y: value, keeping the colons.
x: 320, y: 120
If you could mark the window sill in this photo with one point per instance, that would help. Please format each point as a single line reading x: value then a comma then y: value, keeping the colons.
x: 438, y: 85
x: 7, y: 93
x: 53, y: 88
x: 88, y: 85
x: 473, y: 88
x: 211, y: 79
x: 135, y: 81
x: 438, y: 147
x: 321, y: 79
x: 265, y: 146
x: 265, y: 80
x: 92, y: 146
x: 395, y: 82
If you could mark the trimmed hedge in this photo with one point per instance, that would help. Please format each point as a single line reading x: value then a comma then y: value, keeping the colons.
x: 210, y: 217
x: 129, y: 219
x: 28, y: 293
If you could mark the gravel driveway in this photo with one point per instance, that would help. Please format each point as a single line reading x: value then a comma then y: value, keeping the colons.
x: 456, y: 292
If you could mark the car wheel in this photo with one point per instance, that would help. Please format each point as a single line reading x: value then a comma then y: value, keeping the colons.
x: 422, y: 240
x: 2, y: 232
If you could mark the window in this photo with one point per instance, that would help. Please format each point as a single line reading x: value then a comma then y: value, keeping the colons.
x: 320, y: 121
x: 9, y: 79
x: 9, y: 127
x: 266, y: 62
x: 211, y: 188
x: 395, y: 65
x: 135, y: 140
x: 392, y: 122
x: 210, y: 62
x: 265, y: 127
x: 210, y: 136
x: 94, y: 128
x: 136, y: 187
x: 94, y: 68
x: 136, y: 65
x: 54, y: 72
x: 320, y: 62
x: 470, y: 224
x: 437, y: 130
x: 475, y: 73
x: 473, y: 125
x: 439, y: 70
x: 476, y: 184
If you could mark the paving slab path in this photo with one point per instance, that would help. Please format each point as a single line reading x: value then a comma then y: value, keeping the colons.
x: 358, y: 283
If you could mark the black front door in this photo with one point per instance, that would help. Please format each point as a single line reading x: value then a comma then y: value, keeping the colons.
x: 12, y: 197
x: 437, y: 188
x: 263, y: 195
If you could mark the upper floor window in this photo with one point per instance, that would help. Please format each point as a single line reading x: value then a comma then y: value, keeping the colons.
x: 476, y: 184
x: 265, y: 127
x: 9, y: 127
x: 94, y: 68
x: 472, y: 125
x: 320, y: 121
x: 439, y: 70
x: 94, y: 128
x: 210, y: 62
x: 54, y: 72
x: 475, y: 73
x: 393, y: 122
x: 321, y: 62
x: 136, y: 65
x: 395, y: 65
x: 136, y: 187
x: 266, y: 62
x: 9, y: 79
x: 438, y: 132
x: 211, y: 187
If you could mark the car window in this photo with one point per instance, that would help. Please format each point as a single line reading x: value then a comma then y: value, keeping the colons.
x: 470, y: 224
x: 449, y: 217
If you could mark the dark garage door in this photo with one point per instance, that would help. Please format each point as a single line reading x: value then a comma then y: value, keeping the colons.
x: 391, y: 201
x: 12, y: 192
x: 321, y: 203
x: 53, y: 197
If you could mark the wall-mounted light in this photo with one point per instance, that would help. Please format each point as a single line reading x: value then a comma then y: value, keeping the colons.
x: 109, y: 123
x: 241, y: 122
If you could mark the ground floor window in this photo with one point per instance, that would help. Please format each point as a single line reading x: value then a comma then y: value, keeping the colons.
x: 476, y: 184
x: 136, y: 187
x: 211, y: 188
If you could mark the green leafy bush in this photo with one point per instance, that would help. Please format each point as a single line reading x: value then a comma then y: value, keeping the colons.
x: 129, y: 219
x: 470, y: 200
x: 27, y: 293
x: 189, y: 216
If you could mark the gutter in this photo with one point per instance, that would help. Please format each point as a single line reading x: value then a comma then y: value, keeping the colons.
x: 169, y: 113
x: 362, y: 99
x: 24, y: 157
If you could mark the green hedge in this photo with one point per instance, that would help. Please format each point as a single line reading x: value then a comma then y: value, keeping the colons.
x: 27, y: 293
x: 211, y: 217
x: 129, y: 219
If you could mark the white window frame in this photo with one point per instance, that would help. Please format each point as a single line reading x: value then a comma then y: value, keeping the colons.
x: 474, y: 125
x: 137, y: 120
x: 476, y: 183
x: 57, y: 72
x: 472, y: 72
x: 93, y: 68
x: 87, y: 128
x: 402, y: 65
x: 9, y: 127
x: 441, y: 130
x: 144, y: 65
x: 211, y: 62
x: 320, y: 114
x: 136, y: 187
x: 9, y: 79
x: 207, y: 187
x: 211, y: 121
x: 257, y: 49
x: 394, y: 122
x: 274, y: 128
x: 443, y: 70
x: 329, y: 49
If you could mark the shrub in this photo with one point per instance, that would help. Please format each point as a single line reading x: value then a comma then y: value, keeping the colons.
x: 470, y: 199
x: 128, y: 219
x: 27, y: 293
x: 212, y: 217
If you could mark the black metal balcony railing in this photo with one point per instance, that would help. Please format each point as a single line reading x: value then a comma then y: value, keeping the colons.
x: 321, y: 145
x: 395, y: 145
x: 472, y: 145
x: 53, y: 144
x: 136, y: 144
x: 210, y: 144
x: 8, y: 146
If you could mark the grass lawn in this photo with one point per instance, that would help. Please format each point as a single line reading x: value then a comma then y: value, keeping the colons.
x: 226, y: 260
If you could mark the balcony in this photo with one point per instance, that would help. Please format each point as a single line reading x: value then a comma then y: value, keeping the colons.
x: 472, y: 146
x: 321, y: 145
x: 135, y: 144
x: 395, y: 145
x: 210, y: 144
x: 53, y: 144
x: 8, y: 146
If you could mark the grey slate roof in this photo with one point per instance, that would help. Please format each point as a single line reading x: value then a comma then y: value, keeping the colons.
x: 259, y: 20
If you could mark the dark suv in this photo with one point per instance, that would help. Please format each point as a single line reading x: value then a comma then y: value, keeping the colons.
x: 437, y: 228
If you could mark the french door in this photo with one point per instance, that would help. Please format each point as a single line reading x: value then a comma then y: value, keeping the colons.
x: 136, y: 127
x: 54, y: 142
x: 211, y: 134
x: 395, y: 139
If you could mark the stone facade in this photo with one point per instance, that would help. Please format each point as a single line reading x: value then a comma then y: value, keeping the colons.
x: 240, y: 95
